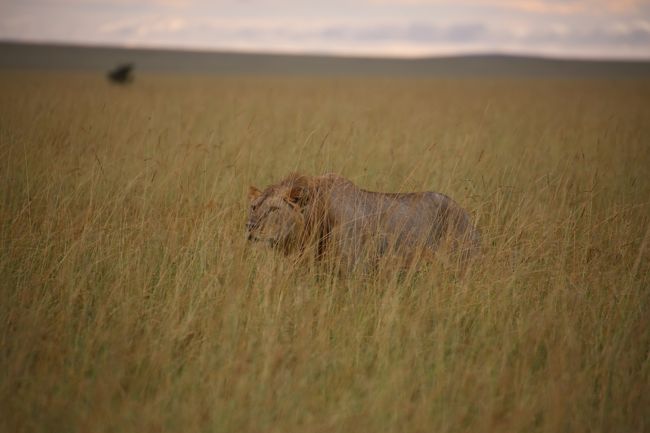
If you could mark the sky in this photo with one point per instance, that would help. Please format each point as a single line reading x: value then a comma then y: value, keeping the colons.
x: 404, y: 28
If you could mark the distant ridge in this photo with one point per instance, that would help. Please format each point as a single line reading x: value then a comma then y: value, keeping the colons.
x: 14, y: 55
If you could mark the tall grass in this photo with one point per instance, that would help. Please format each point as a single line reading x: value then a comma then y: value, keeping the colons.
x: 132, y: 302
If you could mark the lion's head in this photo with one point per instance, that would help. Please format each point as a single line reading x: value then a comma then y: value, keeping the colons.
x: 275, y: 215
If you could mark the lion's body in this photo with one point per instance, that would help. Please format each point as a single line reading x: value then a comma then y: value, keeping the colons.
x: 339, y: 219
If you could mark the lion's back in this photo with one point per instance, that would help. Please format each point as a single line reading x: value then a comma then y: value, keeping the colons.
x: 396, y: 221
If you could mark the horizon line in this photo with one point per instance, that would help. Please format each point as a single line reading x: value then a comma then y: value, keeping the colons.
x: 328, y: 54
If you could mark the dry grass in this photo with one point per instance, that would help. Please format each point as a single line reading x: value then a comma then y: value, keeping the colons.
x: 131, y: 301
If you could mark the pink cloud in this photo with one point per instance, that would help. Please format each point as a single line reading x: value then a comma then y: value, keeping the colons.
x: 565, y: 7
x: 372, y: 27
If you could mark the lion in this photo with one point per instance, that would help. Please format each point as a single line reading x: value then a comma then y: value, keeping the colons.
x: 333, y: 217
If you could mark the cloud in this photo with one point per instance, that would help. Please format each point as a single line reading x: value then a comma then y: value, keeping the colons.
x: 392, y: 27
x: 415, y: 37
x: 139, y: 28
x: 557, y: 7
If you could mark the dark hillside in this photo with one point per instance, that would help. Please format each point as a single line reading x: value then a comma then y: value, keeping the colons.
x: 62, y: 57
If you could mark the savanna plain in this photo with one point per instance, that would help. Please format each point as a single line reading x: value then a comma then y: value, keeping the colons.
x: 132, y: 302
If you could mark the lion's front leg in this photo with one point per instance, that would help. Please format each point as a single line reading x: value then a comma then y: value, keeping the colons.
x: 346, y: 249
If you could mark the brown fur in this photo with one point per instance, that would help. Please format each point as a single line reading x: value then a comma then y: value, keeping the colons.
x: 333, y: 217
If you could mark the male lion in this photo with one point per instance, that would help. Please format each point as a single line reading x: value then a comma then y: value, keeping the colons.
x: 332, y: 216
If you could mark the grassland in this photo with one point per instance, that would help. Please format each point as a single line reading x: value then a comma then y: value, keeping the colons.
x: 131, y: 302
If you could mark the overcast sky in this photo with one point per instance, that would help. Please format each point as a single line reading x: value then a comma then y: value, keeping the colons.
x: 566, y: 28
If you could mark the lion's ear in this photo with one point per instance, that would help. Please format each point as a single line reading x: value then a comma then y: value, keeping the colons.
x: 295, y: 194
x: 299, y: 191
x: 253, y: 192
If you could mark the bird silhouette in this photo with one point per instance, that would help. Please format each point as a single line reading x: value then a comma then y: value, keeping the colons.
x: 123, y: 74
